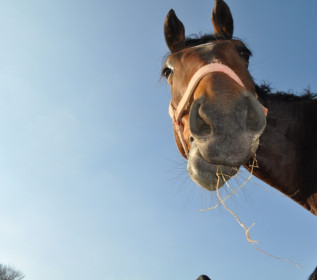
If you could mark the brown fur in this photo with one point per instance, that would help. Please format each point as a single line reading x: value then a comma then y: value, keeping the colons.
x: 224, y: 121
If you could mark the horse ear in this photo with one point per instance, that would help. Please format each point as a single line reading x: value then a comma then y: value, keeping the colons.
x: 222, y: 19
x: 174, y: 31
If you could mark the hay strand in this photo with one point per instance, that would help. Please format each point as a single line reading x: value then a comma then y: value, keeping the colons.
x: 252, y: 242
x: 247, y: 233
x: 252, y: 166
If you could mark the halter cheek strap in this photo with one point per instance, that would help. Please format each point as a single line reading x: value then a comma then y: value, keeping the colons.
x: 176, y: 114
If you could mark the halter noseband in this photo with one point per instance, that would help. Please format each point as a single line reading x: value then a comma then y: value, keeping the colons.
x: 176, y: 114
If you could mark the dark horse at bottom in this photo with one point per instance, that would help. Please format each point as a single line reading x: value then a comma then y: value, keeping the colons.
x: 313, y: 276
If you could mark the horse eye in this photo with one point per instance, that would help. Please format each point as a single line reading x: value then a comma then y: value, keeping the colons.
x: 167, y: 72
x: 244, y: 53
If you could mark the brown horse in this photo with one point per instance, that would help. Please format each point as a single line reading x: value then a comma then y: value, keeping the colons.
x: 223, y: 120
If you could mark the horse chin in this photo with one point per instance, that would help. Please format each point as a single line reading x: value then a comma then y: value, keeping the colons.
x: 231, y: 152
x: 205, y: 174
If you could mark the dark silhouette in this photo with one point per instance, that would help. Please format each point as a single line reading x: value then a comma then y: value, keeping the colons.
x: 203, y: 277
x: 313, y: 276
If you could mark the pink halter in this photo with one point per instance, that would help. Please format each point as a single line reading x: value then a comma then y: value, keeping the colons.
x: 176, y: 114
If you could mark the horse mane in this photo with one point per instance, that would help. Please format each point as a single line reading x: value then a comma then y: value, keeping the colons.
x: 199, y: 39
x: 265, y: 93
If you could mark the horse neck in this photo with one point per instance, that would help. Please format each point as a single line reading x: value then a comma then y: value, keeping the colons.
x: 287, y: 154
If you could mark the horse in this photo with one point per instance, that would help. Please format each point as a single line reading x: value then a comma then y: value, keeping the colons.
x: 223, y: 120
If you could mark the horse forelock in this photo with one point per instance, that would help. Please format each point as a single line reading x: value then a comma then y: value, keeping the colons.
x: 200, y: 39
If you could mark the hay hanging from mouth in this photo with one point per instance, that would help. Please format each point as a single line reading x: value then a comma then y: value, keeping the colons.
x: 253, y: 165
x: 247, y: 233
x: 220, y: 174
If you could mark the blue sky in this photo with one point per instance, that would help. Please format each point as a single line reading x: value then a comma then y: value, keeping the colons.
x: 92, y: 185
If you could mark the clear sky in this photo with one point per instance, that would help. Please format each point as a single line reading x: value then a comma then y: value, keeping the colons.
x: 91, y: 183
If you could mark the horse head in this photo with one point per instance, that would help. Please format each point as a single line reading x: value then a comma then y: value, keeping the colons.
x: 216, y: 115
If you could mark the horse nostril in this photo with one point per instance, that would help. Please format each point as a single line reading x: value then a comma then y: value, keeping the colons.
x: 191, y: 139
x: 199, y: 124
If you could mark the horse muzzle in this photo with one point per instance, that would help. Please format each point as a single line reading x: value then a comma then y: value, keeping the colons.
x: 205, y: 174
x: 227, y: 135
